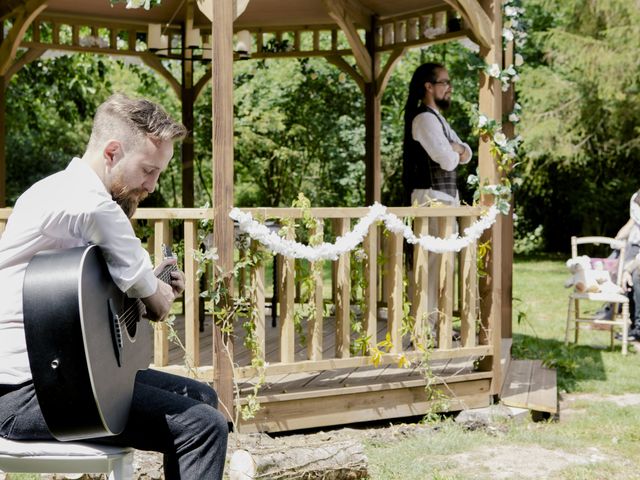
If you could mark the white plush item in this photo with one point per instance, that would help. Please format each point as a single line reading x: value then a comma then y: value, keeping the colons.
x: 586, y: 279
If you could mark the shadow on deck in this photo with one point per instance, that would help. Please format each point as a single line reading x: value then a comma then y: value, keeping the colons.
x: 297, y: 400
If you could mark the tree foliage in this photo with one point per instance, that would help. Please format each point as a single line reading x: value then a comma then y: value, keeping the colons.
x: 299, y: 127
x: 580, y: 121
x: 299, y: 123
x: 49, y: 108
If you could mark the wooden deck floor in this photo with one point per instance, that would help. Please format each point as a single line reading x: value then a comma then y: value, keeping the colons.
x: 242, y: 356
x: 310, y: 399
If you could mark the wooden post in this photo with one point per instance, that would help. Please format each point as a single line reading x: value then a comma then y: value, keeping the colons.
x: 373, y: 125
x: 222, y: 162
x: 508, y: 102
x: 4, y: 82
x: 3, y: 138
x: 188, y: 98
x: 491, y: 285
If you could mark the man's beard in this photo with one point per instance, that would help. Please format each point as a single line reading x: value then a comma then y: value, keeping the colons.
x: 443, y: 103
x: 127, y: 198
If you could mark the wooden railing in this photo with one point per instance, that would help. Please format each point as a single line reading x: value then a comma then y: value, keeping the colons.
x: 383, y: 288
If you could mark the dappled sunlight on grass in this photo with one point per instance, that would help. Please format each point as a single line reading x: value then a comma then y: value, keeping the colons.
x: 594, y: 437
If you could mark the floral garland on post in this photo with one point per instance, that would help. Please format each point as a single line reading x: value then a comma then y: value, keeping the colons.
x: 504, y: 149
x: 377, y: 213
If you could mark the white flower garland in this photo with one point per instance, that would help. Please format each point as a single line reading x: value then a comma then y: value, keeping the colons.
x: 346, y: 243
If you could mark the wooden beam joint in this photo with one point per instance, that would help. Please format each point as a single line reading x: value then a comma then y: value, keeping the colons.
x: 9, y: 47
x: 342, y: 12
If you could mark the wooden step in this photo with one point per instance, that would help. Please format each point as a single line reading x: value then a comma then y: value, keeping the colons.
x: 530, y: 385
x: 505, y: 358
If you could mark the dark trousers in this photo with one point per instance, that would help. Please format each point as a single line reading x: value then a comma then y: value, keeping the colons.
x: 634, y: 293
x: 170, y: 414
x: 634, y: 303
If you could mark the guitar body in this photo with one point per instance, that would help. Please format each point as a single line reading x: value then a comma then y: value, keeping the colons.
x: 83, y: 358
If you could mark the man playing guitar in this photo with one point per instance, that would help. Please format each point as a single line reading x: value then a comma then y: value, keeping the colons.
x: 90, y: 203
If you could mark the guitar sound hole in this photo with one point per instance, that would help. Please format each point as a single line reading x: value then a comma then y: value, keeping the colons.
x: 130, y: 322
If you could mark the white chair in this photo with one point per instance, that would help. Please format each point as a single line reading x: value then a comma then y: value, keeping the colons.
x: 618, y: 319
x: 65, y: 457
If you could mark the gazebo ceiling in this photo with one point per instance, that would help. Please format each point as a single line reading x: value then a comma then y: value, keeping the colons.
x: 313, y: 12
x: 259, y: 13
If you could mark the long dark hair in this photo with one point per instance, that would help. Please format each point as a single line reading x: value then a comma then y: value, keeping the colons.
x: 426, y: 72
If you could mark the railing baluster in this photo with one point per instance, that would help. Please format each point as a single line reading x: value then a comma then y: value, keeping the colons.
x: 420, y: 301
x: 412, y: 29
x: 287, y: 305
x: 242, y: 274
x: 343, y: 294
x: 371, y: 289
x: 75, y: 35
x: 256, y: 276
x: 191, y: 294
x: 388, y: 32
x: 161, y: 235
x: 445, y: 287
x: 259, y: 42
x: 315, y: 324
x: 469, y: 276
x: 396, y: 297
x: 3, y: 225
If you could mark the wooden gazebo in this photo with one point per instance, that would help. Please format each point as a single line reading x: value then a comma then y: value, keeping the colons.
x: 324, y: 382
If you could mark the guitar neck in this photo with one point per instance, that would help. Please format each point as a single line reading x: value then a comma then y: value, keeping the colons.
x: 165, y: 275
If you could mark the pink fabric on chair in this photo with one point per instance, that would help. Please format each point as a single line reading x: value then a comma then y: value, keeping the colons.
x: 609, y: 264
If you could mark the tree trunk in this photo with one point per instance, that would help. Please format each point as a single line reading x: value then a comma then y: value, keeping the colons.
x: 298, y: 457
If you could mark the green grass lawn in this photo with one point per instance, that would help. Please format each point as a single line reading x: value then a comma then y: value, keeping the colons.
x: 604, y: 435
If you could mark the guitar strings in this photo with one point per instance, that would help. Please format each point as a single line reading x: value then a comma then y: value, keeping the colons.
x: 130, y: 316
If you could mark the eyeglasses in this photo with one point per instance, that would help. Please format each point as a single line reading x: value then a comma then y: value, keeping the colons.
x: 446, y: 83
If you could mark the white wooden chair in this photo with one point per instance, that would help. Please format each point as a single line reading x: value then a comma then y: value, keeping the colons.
x: 618, y: 319
x: 65, y: 457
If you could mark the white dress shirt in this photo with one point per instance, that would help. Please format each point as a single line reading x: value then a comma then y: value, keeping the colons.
x: 427, y: 130
x: 68, y: 209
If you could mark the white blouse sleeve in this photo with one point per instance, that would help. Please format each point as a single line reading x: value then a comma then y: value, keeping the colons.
x: 427, y: 130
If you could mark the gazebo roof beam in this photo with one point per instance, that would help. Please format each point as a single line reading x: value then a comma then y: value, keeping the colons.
x: 358, y: 13
x: 24, y: 16
x: 341, y: 12
x: 477, y: 19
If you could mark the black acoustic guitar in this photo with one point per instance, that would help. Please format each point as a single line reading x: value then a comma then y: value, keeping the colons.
x: 86, y: 341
